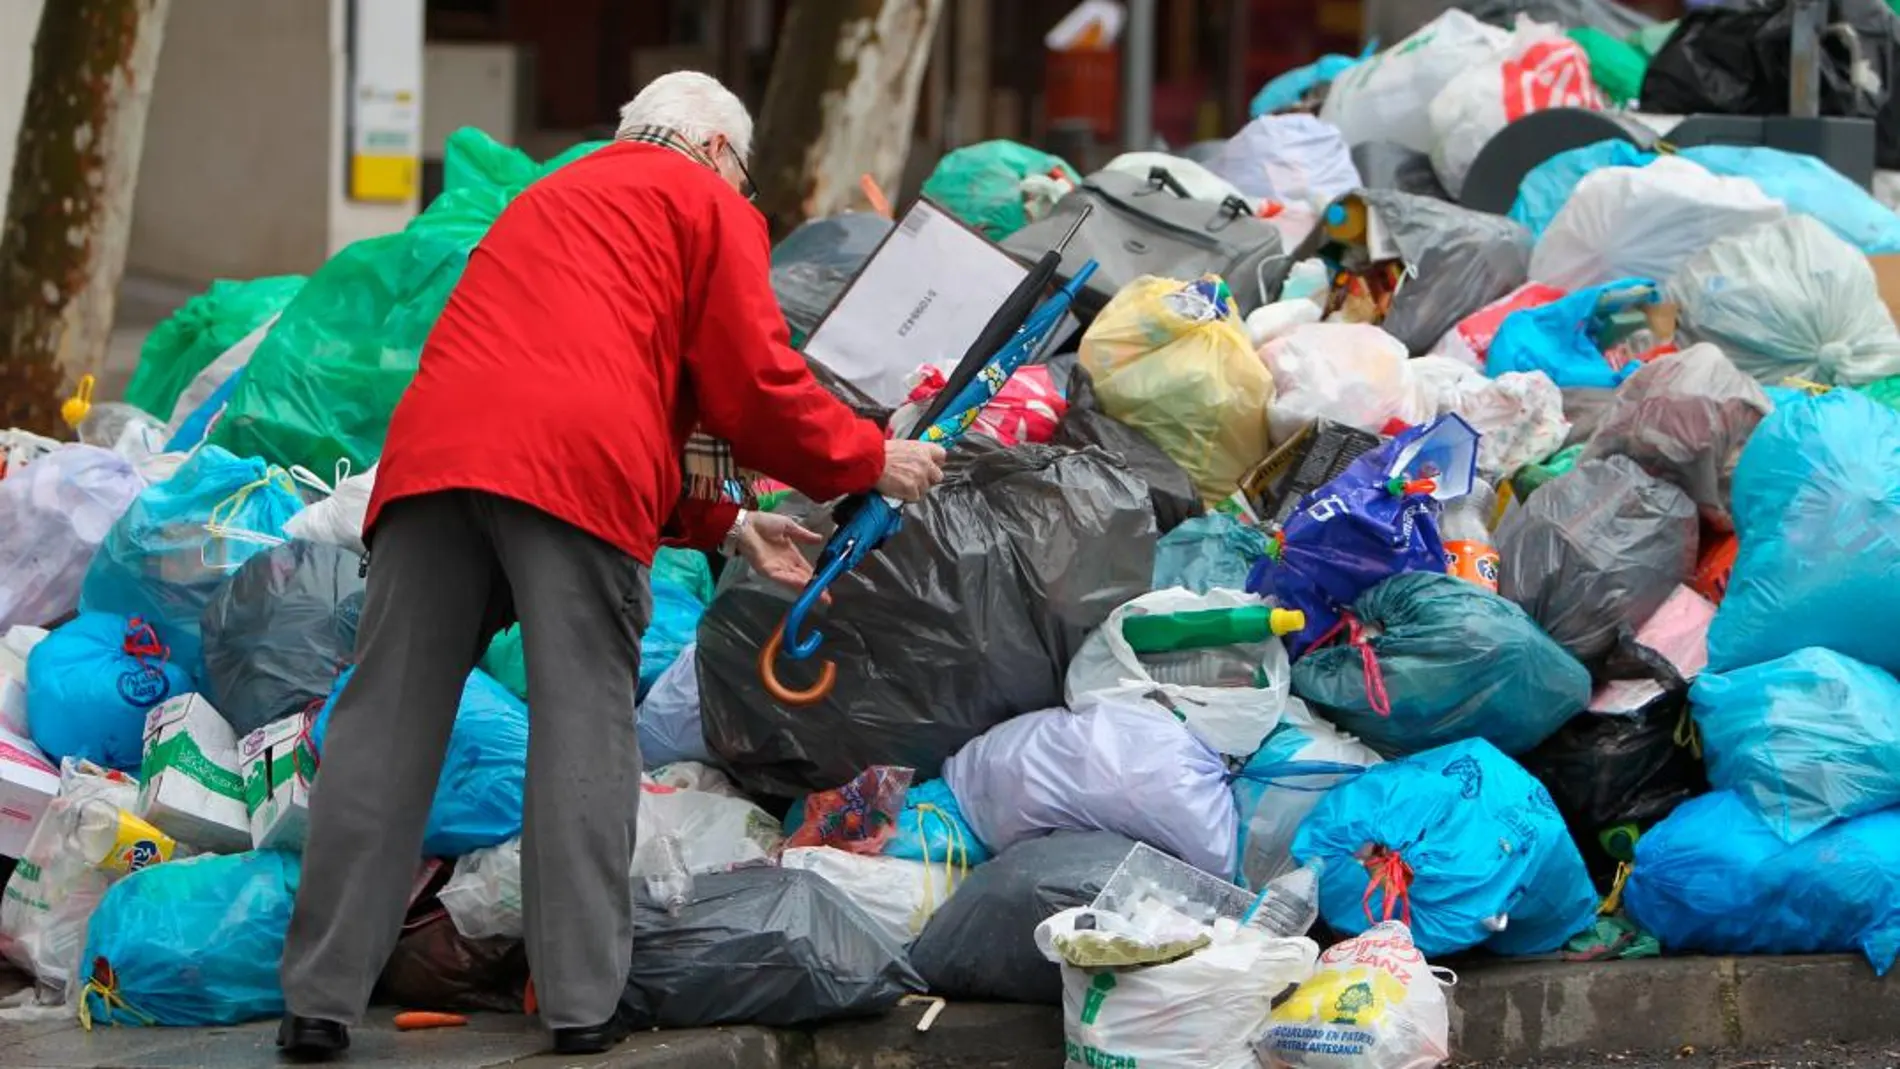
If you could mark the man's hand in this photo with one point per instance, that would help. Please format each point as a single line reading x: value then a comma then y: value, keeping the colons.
x: 770, y: 544
x: 911, y: 468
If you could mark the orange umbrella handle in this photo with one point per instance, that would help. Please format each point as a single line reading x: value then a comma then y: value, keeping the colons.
x: 784, y: 695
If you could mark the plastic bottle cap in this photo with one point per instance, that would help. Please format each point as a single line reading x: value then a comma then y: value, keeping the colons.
x: 1336, y: 215
x: 1286, y: 621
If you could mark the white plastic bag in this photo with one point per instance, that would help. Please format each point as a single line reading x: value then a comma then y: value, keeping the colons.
x: 1117, y: 763
x: 1520, y: 413
x: 897, y: 893
x: 53, y: 892
x: 1645, y: 222
x: 1277, y: 320
x: 338, y: 519
x: 1281, y: 783
x: 1230, y: 697
x: 483, y: 895
x: 1375, y: 1003
x: 1199, y: 1011
x: 669, y: 724
x: 1349, y: 373
x: 53, y: 514
x: 1200, y: 183
x: 1789, y: 299
x: 1289, y: 159
x: 1388, y: 97
x: 1539, y: 69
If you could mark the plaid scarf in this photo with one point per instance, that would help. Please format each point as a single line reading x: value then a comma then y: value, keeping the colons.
x: 709, y: 472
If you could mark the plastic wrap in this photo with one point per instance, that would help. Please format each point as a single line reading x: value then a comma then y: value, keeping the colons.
x: 1599, y: 548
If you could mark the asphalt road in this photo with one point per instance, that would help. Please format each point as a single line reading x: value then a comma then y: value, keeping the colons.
x: 1814, y: 1054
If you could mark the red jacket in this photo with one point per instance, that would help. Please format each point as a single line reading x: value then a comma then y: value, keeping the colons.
x: 614, y: 306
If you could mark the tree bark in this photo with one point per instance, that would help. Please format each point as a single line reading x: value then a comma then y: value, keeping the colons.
x: 841, y: 103
x: 69, y: 214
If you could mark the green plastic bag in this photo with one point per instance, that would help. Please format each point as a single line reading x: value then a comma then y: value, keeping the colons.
x: 982, y: 184
x: 191, y: 338
x: 1886, y: 391
x: 326, y: 380
x: 1616, y: 66
x: 1531, y: 476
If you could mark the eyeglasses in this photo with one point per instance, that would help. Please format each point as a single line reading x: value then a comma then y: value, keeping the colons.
x: 750, y: 190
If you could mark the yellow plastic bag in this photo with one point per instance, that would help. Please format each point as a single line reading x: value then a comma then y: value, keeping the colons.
x: 1171, y: 359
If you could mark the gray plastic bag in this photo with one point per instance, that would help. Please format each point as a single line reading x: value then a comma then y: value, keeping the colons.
x: 1459, y: 261
x: 1606, y: 15
x: 815, y: 263
x: 967, y: 617
x: 762, y: 946
x: 280, y: 631
x: 1595, y: 549
x: 981, y: 943
x: 1684, y: 418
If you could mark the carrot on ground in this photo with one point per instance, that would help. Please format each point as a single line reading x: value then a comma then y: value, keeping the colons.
x: 412, y: 1020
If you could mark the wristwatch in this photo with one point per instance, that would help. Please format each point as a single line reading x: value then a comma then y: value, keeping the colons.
x: 730, y: 544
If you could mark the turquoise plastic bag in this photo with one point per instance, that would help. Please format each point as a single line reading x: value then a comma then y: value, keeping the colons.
x: 1807, y: 740
x: 1207, y: 552
x: 1560, y: 338
x: 1452, y: 842
x: 1805, y: 184
x: 181, y: 540
x: 1713, y: 879
x: 89, y: 685
x: 1288, y: 89
x: 479, y: 796
x: 981, y: 184
x: 193, y: 943
x: 1816, y: 500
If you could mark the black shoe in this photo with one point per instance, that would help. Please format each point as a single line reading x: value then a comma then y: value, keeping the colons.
x: 307, y: 1039
x: 599, y: 1039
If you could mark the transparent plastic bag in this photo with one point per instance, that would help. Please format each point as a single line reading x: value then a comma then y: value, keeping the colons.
x: 1349, y: 373
x: 1388, y: 96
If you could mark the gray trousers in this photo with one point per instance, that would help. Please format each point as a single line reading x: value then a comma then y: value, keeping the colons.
x: 448, y: 571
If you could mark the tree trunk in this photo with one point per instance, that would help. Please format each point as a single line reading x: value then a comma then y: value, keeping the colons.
x: 841, y: 103
x: 70, y: 211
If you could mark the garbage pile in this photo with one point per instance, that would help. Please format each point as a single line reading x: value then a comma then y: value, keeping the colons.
x: 1381, y: 583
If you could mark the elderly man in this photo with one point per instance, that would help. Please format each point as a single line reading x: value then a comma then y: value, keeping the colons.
x: 612, y: 363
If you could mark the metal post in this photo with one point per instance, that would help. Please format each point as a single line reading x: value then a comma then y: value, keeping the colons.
x: 1804, y: 70
x: 1138, y: 76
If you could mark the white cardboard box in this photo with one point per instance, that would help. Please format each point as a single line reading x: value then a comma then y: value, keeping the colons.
x: 28, y: 783
x: 279, y: 766
x: 190, y: 786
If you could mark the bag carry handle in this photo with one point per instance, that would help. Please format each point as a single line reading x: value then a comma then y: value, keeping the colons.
x: 1161, y: 178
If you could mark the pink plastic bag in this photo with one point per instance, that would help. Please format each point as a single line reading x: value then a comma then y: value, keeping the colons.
x: 1470, y: 341
x: 859, y: 817
x: 1026, y: 409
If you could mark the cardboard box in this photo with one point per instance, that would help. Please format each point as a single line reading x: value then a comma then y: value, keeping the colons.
x: 279, y: 765
x: 1302, y: 464
x: 191, y: 788
x: 28, y: 784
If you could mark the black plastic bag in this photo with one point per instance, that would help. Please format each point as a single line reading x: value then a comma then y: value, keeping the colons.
x: 280, y: 631
x: 1606, y: 769
x: 967, y: 617
x: 981, y: 943
x: 1737, y: 61
x: 1597, y: 548
x: 815, y: 263
x: 436, y: 967
x: 762, y: 946
x: 1176, y: 501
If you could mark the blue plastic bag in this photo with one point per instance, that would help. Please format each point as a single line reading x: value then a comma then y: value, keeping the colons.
x: 478, y: 798
x: 1560, y: 338
x: 89, y: 685
x: 1435, y: 659
x: 931, y: 828
x: 1288, y: 89
x: 1805, y: 184
x: 1348, y: 536
x: 191, y: 944
x: 1712, y: 878
x: 1460, y: 843
x: 669, y: 723
x: 180, y: 541
x: 1807, y: 740
x: 198, y: 423
x: 1208, y: 551
x: 1817, y: 507
x: 1282, y: 782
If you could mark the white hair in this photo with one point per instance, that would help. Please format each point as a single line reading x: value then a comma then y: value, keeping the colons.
x: 692, y: 104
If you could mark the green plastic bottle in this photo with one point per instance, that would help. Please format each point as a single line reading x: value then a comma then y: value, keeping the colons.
x: 1169, y: 632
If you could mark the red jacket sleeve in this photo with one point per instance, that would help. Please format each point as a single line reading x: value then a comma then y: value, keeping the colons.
x: 697, y: 524
x: 751, y: 388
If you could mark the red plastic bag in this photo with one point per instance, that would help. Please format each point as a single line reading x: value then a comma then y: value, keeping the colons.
x: 859, y: 817
x: 1470, y: 341
x: 1026, y: 409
